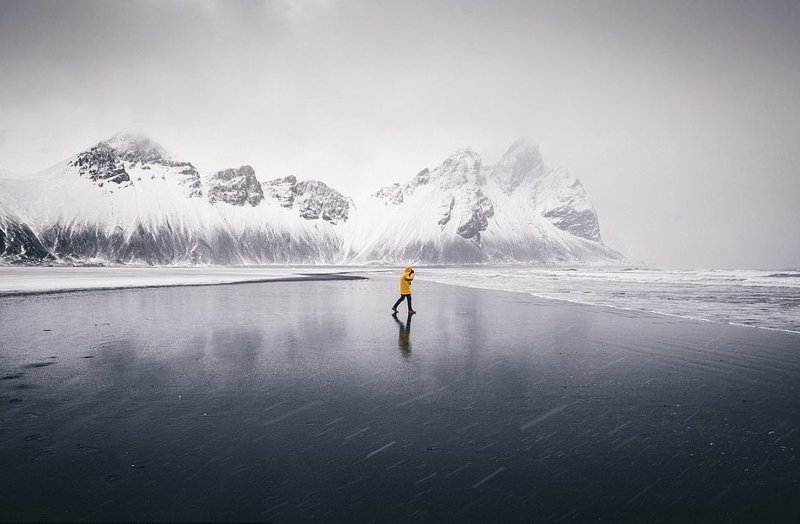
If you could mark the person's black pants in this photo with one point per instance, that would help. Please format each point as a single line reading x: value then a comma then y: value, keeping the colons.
x: 407, y: 297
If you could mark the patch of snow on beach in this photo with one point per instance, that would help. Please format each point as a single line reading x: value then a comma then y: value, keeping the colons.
x: 33, y: 280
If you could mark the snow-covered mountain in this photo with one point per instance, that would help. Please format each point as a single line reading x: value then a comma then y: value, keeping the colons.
x: 465, y: 212
x: 126, y: 200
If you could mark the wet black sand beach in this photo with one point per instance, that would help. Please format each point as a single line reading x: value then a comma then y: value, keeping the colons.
x: 287, y: 401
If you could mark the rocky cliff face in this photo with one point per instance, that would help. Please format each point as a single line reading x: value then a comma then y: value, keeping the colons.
x: 101, y: 164
x: 392, y: 194
x: 311, y: 199
x: 479, y: 210
x: 562, y: 199
x: 235, y: 186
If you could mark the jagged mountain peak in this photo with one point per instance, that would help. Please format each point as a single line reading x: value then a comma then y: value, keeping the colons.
x: 521, y: 144
x: 135, y: 147
x: 235, y: 186
x: 463, y: 154
x: 123, y: 159
x: 522, y: 160
x: 460, y: 168
x: 462, y: 160
x: 312, y: 199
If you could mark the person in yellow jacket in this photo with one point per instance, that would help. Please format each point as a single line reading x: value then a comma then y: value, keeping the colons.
x: 405, y: 289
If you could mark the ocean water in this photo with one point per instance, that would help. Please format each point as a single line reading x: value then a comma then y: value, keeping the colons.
x: 763, y: 299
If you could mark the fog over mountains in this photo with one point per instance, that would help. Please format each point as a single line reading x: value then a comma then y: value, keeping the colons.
x: 126, y: 200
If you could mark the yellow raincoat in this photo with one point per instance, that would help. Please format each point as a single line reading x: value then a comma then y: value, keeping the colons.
x: 405, y: 281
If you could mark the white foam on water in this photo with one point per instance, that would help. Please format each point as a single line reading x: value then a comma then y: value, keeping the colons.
x: 750, y: 298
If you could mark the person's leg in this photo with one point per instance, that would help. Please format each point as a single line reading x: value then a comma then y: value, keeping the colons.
x: 410, y: 309
x: 394, y: 307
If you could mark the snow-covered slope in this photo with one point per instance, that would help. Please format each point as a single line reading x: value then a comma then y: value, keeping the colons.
x: 18, y: 242
x: 126, y: 200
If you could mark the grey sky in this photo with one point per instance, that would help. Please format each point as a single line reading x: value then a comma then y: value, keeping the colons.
x: 681, y: 118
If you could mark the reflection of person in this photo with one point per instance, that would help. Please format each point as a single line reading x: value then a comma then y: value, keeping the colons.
x: 405, y: 289
x: 404, y: 336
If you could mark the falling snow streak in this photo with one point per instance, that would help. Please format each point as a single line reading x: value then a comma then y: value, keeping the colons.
x: 421, y: 397
x: 542, y: 418
x: 291, y: 413
x: 382, y: 448
x: 488, y: 477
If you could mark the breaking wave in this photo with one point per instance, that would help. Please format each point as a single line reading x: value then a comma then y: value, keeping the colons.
x: 752, y: 298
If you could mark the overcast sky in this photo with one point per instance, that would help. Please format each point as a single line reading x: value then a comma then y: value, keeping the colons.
x: 682, y: 119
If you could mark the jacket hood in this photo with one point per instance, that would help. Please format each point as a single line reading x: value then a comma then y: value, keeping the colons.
x: 408, y: 269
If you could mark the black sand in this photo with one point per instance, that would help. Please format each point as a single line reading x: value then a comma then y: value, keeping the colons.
x: 306, y: 400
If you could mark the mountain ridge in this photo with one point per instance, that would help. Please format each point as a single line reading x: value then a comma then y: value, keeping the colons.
x: 129, y: 201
